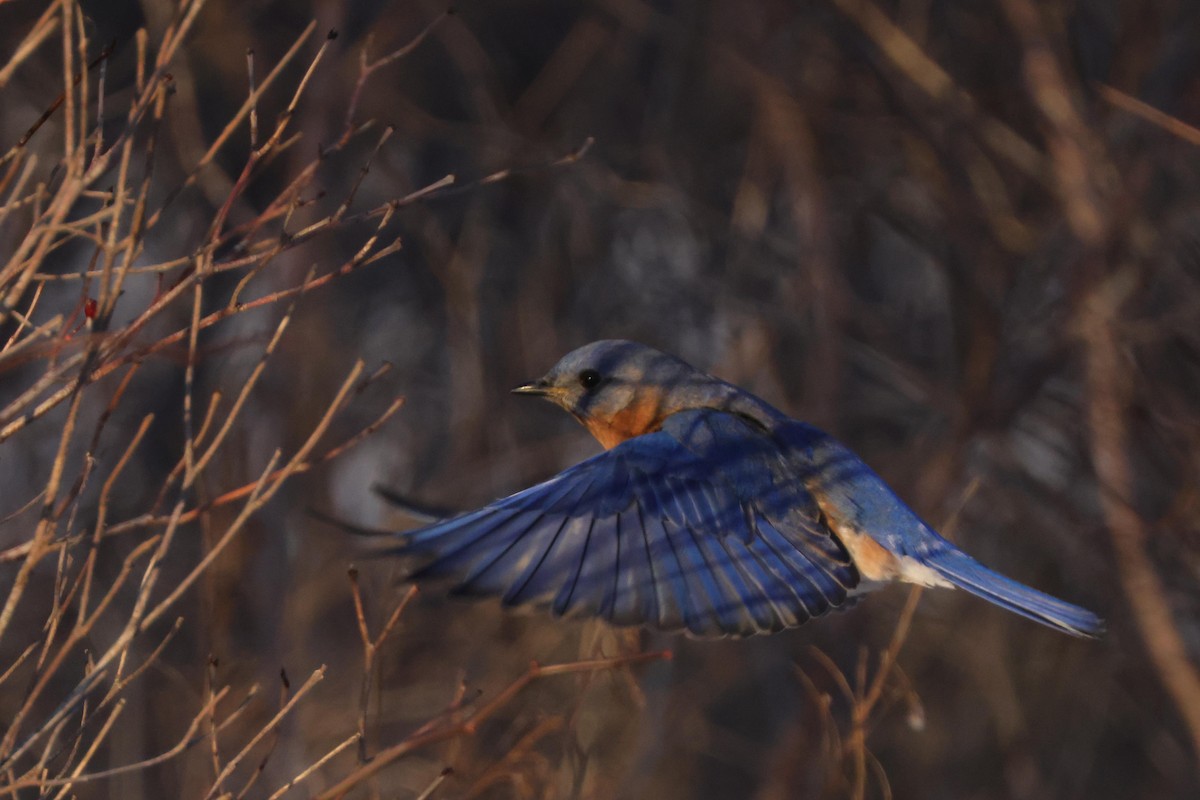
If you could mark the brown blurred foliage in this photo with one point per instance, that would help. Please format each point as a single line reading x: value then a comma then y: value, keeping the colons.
x: 963, y: 237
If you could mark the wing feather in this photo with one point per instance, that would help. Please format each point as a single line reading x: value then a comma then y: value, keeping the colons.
x: 698, y: 526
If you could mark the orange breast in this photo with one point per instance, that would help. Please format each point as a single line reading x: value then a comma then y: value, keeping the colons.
x: 644, y: 415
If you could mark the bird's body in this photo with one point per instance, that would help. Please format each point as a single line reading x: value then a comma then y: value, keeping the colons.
x: 710, y: 511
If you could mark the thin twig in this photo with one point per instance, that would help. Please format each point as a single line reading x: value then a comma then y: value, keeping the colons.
x: 186, y: 741
x: 316, y: 677
x: 470, y: 723
x: 370, y: 651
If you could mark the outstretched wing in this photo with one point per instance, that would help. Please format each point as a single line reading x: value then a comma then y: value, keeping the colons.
x: 698, y: 526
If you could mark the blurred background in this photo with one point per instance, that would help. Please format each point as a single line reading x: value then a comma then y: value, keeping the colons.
x: 962, y: 237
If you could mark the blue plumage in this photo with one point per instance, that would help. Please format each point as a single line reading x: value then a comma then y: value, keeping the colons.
x: 859, y: 498
x: 654, y: 532
x: 967, y: 573
x: 711, y: 512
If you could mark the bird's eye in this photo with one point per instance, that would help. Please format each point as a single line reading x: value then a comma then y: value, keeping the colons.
x: 589, y: 379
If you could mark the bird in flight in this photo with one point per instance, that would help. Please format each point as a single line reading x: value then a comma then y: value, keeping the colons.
x: 709, y: 512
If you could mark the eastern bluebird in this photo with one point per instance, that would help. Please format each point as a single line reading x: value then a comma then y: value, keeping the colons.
x: 710, y: 511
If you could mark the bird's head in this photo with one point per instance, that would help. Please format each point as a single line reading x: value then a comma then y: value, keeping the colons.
x: 620, y: 389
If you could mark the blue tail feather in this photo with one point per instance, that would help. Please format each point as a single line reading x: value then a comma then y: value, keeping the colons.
x: 968, y: 574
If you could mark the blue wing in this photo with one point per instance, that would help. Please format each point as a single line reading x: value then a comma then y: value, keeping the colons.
x: 699, y: 526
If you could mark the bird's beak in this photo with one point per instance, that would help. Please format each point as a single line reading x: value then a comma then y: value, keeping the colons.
x: 539, y: 388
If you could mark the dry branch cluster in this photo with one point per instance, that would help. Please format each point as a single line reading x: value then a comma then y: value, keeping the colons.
x: 96, y: 286
x: 91, y: 294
